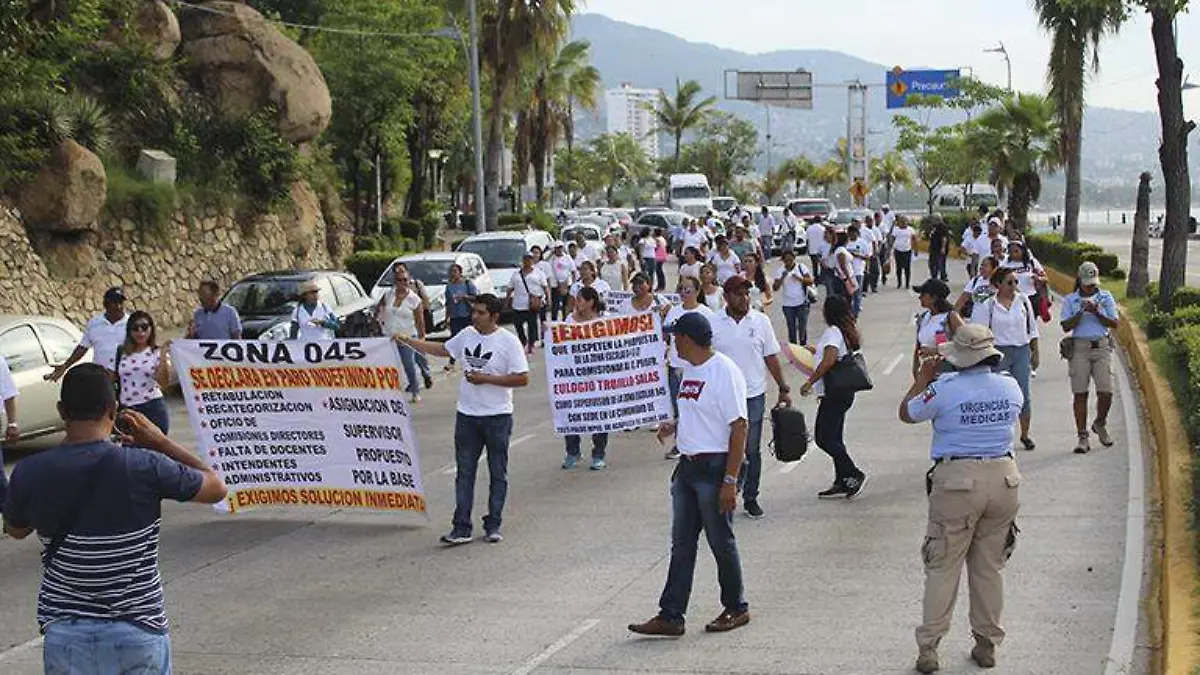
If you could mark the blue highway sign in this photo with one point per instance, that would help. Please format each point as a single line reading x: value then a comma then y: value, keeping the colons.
x: 902, y: 83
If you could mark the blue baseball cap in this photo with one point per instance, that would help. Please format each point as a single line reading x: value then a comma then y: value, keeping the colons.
x: 695, y: 326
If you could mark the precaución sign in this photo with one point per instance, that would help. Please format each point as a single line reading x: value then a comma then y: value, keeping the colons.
x: 297, y: 423
x: 607, y: 375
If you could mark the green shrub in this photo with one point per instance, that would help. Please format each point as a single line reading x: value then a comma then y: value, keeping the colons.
x: 1068, y: 256
x: 148, y: 204
x: 1158, y: 323
x: 468, y: 222
x: 366, y: 266
x: 1185, y: 296
x: 402, y: 228
x: 544, y: 221
x: 1118, y: 274
x: 507, y: 220
x: 1184, y: 343
x: 1152, y: 291
x: 430, y: 225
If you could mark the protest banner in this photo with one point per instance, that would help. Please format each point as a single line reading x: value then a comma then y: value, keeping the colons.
x: 303, y: 423
x: 607, y: 375
x: 620, y: 302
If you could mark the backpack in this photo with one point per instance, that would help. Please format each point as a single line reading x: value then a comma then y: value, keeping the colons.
x: 789, y: 439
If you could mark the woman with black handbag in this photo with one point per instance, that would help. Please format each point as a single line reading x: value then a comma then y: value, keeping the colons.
x: 840, y: 340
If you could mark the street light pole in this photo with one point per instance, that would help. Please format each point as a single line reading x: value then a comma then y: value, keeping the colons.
x: 477, y: 114
x: 1007, y: 62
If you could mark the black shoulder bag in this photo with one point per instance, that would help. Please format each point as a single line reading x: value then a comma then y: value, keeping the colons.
x: 848, y: 376
x: 74, y: 512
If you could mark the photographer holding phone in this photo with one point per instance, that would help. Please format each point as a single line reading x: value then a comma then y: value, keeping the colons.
x: 1089, y: 314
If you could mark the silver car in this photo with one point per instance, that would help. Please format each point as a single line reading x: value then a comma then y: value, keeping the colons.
x: 32, y: 346
x: 433, y: 270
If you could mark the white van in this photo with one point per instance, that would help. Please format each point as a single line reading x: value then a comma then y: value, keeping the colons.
x: 962, y: 197
x: 689, y: 193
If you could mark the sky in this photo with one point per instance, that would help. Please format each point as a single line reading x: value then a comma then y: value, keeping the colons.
x: 933, y: 33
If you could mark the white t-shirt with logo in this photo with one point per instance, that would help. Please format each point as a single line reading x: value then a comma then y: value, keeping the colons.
x: 562, y: 269
x: 690, y: 270
x: 103, y: 338
x: 673, y: 315
x: 498, y: 353
x: 792, y: 292
x: 712, y: 396
x: 522, y: 287
x: 399, y: 319
x: 747, y: 343
x: 903, y: 238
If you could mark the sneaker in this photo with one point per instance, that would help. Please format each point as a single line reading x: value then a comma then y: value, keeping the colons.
x: 449, y: 367
x: 927, y: 661
x: 493, y: 537
x: 673, y: 453
x: 598, y: 463
x: 658, y: 626
x: 1081, y: 446
x: 835, y: 491
x: 456, y: 538
x: 570, y: 462
x: 428, y: 381
x: 727, y: 621
x: 753, y: 510
x: 854, y: 486
x: 1028, y: 443
x: 415, y: 398
x: 984, y: 653
x: 1101, y: 431
x: 1033, y: 374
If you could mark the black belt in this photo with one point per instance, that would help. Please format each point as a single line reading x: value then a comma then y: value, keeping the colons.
x: 1094, y: 343
x: 939, y: 460
x: 700, y: 456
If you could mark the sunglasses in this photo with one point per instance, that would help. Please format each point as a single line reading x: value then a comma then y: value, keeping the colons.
x: 140, y: 326
x: 1010, y: 282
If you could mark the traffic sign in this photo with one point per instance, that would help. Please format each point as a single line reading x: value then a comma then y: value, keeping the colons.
x: 903, y: 83
x: 788, y: 89
x: 858, y: 190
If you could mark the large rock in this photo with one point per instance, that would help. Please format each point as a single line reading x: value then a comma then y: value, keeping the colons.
x: 244, y: 64
x: 302, y: 226
x: 157, y: 26
x: 68, y: 192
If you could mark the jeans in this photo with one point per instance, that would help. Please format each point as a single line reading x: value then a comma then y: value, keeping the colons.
x: 674, y: 377
x: 649, y: 266
x: 751, y: 474
x: 422, y: 363
x: 767, y: 242
x: 526, y: 322
x: 155, y: 410
x: 937, y: 266
x: 796, y: 319
x: 1018, y: 361
x: 408, y: 359
x: 903, y: 268
x: 472, y: 434
x: 457, y: 324
x: 660, y: 274
x: 829, y: 432
x: 80, y: 646
x: 558, y: 304
x: 599, y: 445
x: 816, y: 266
x: 856, y: 301
x: 695, y: 506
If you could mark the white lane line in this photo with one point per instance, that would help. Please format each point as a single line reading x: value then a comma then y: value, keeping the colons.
x: 520, y: 440
x: 789, y: 467
x: 893, y: 363
x: 20, y: 650
x: 448, y: 469
x: 562, y: 643
x: 1124, y: 639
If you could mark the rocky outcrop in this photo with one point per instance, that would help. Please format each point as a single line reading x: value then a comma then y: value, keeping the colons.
x: 67, y: 193
x: 158, y: 28
x: 245, y: 64
x: 304, y: 222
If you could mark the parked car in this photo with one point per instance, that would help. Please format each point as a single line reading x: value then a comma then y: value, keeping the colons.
x: 847, y: 216
x: 32, y: 346
x: 811, y: 209
x: 723, y: 205
x: 266, y: 300
x: 433, y: 271
x: 502, y: 251
x: 593, y: 237
x: 663, y: 220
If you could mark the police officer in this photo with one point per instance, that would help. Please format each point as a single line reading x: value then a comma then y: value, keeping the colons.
x: 972, y: 488
x: 1088, y: 315
x: 711, y: 438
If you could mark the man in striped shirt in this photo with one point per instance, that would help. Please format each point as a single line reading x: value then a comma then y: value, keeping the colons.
x: 96, y: 508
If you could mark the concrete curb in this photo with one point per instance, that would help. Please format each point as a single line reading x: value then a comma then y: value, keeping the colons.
x: 1176, y: 576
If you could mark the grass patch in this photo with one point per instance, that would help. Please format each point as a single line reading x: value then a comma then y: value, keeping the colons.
x: 148, y: 204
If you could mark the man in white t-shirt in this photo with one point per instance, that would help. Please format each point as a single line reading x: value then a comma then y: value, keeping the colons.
x: 766, y: 232
x: 872, y: 236
x: 814, y: 236
x: 889, y: 218
x: 103, y: 334
x: 745, y: 335
x: 12, y: 430
x: 564, y: 273
x: 861, y: 250
x: 711, y: 437
x: 493, y: 365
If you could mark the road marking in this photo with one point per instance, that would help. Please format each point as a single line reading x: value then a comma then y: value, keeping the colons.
x: 562, y: 643
x: 790, y: 467
x: 18, y: 651
x: 520, y: 440
x: 893, y: 363
x: 1124, y: 639
x: 448, y: 469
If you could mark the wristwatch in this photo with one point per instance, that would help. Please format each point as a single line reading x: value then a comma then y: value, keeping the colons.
x: 784, y: 389
x: 730, y: 480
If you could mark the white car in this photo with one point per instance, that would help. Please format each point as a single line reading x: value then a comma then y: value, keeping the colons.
x: 502, y: 252
x: 433, y: 271
x: 593, y: 237
x: 32, y: 346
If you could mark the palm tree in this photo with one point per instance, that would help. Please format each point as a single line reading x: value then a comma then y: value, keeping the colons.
x: 572, y: 80
x: 1076, y: 29
x: 683, y: 112
x: 773, y: 183
x: 800, y: 169
x: 1020, y: 138
x: 829, y: 174
x: 512, y: 32
x: 891, y: 170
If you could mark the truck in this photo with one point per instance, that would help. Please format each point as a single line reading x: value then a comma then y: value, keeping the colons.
x: 689, y: 193
x: 949, y: 199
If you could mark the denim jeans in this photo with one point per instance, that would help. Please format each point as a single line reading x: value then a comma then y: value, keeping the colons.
x: 155, y: 410
x: 472, y: 435
x: 649, y: 267
x: 408, y: 359
x: 599, y: 445
x: 829, y: 434
x: 796, y: 319
x: 695, y: 506
x: 751, y: 474
x: 1018, y: 361
x: 80, y: 646
x: 767, y: 242
x: 856, y: 301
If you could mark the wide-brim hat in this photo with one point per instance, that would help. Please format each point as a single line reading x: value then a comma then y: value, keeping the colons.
x: 309, y: 287
x: 971, y: 344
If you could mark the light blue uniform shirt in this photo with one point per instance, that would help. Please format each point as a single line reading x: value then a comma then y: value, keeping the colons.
x: 973, y: 413
x: 1089, y: 327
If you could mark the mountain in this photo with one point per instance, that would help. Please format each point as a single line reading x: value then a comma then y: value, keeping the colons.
x: 1117, y: 145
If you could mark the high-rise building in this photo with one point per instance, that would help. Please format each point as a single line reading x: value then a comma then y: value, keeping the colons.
x: 631, y: 111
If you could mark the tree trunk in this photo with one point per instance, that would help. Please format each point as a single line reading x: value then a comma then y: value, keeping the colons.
x: 1019, y: 199
x: 1073, y: 144
x: 887, y: 193
x: 1172, y: 154
x: 678, y: 140
x: 495, y: 154
x: 1139, y: 259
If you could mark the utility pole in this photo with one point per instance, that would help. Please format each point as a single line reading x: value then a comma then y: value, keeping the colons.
x: 767, y: 106
x: 1007, y: 62
x: 856, y: 140
x: 477, y: 113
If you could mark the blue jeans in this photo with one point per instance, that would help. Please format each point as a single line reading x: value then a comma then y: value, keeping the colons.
x: 856, y: 301
x: 155, y: 410
x: 751, y: 473
x: 1018, y: 361
x: 599, y: 445
x: 796, y: 319
x: 473, y: 434
x: 650, y: 266
x: 80, y: 646
x: 408, y: 359
x: 695, y: 506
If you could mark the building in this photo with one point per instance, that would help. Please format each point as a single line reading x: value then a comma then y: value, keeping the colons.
x: 630, y: 111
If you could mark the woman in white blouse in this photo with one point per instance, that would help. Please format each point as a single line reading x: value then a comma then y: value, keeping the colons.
x: 143, y: 369
x: 936, y: 324
x: 613, y: 270
x: 1011, y: 317
x: 712, y: 295
x: 691, y: 263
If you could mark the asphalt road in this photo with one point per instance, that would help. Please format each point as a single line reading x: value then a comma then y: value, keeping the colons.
x: 1118, y: 238
x: 834, y: 587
